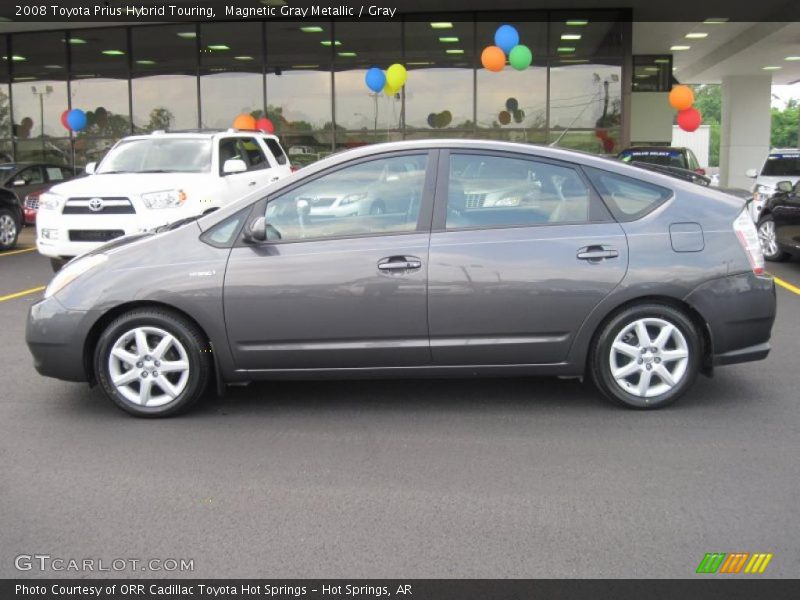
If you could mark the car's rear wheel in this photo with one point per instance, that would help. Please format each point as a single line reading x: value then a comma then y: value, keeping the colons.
x: 152, y: 363
x: 9, y: 231
x: 768, y: 239
x: 647, y: 356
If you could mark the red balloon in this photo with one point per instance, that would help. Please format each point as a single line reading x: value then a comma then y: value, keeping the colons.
x: 265, y: 125
x: 64, y: 120
x: 601, y: 134
x: 689, y: 119
x: 608, y: 144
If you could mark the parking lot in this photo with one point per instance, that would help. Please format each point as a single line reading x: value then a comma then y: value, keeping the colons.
x: 417, y: 479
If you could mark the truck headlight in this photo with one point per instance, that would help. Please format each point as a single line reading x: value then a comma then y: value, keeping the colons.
x: 164, y: 199
x: 50, y: 201
x: 72, y: 271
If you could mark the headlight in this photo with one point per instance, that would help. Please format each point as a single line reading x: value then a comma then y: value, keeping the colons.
x: 507, y: 200
x: 72, y: 271
x: 164, y: 199
x: 352, y: 198
x: 50, y: 201
x: 765, y: 190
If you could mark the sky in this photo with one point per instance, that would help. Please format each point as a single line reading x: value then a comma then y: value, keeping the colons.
x: 784, y: 92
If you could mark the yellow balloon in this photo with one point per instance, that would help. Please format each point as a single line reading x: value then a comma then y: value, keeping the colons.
x: 396, y: 76
x: 389, y: 91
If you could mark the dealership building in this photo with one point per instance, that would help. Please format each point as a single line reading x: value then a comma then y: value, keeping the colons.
x: 598, y: 81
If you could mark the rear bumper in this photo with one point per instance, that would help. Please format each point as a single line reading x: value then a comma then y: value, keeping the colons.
x: 740, y: 312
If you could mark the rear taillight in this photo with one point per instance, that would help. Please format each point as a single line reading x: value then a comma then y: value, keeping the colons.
x: 747, y: 234
x: 293, y: 168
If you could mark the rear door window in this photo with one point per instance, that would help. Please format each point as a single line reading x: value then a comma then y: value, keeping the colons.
x: 486, y: 191
x: 627, y: 198
x: 276, y: 150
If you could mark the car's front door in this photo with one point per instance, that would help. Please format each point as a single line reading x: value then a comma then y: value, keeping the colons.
x: 522, y: 250
x: 326, y: 292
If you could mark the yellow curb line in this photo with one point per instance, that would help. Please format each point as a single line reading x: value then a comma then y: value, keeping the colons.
x: 22, y: 293
x: 18, y: 251
x: 786, y: 285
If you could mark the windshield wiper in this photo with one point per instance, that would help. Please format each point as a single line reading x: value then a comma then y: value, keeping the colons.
x: 155, y: 171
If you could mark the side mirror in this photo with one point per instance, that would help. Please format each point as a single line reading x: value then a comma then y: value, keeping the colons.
x: 234, y: 165
x: 784, y: 186
x: 90, y: 168
x: 257, y: 231
x: 19, y: 182
x: 751, y: 173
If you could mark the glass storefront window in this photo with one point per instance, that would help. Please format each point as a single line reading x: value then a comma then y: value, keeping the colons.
x: 511, y: 104
x: 99, y: 86
x: 39, y: 71
x: 164, y: 82
x: 358, y: 108
x: 585, y: 106
x: 299, y: 87
x: 439, y: 93
x: 231, y: 78
x: 5, y: 106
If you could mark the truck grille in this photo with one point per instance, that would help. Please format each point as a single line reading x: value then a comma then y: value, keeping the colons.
x: 98, y: 206
x: 32, y: 202
x: 94, y: 235
x: 474, y: 200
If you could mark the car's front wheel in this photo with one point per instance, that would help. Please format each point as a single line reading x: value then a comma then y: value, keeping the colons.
x: 152, y: 362
x: 647, y: 356
x: 9, y: 231
x: 768, y: 239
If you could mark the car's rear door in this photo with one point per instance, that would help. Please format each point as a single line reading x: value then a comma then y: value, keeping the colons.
x: 522, y: 250
x: 786, y: 214
x: 327, y: 292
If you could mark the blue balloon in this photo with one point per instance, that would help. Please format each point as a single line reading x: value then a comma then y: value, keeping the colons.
x: 376, y: 79
x: 506, y: 37
x: 76, y: 119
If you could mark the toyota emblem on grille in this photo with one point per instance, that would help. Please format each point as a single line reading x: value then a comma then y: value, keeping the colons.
x: 96, y: 204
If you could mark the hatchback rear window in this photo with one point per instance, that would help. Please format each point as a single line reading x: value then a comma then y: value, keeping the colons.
x: 276, y: 150
x: 628, y: 199
x: 666, y: 158
x: 782, y: 165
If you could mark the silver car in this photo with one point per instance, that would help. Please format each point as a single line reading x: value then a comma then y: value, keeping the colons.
x: 575, y: 266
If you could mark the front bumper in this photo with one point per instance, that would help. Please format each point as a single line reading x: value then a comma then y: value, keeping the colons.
x: 59, y: 245
x: 740, y: 311
x: 56, y: 336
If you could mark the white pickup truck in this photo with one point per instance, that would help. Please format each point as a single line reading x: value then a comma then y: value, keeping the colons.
x: 146, y: 181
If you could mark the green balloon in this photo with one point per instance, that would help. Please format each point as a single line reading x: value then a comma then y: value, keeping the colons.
x: 520, y: 57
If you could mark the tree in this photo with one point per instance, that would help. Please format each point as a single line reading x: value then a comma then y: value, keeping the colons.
x: 160, y: 118
x: 785, y: 124
x: 708, y: 100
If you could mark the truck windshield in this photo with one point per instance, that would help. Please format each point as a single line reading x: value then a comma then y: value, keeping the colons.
x: 782, y: 165
x: 159, y: 155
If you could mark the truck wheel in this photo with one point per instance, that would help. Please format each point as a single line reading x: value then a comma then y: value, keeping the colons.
x: 9, y: 231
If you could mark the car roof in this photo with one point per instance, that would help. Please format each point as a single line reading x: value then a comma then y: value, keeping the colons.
x: 785, y: 151
x: 199, y: 134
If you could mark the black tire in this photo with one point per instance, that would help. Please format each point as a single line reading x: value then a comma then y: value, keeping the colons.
x: 57, y: 263
x: 9, y: 229
x: 600, y: 356
x: 187, y: 334
x: 777, y: 256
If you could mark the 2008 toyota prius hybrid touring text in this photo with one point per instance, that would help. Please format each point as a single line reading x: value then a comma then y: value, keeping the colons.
x: 440, y: 259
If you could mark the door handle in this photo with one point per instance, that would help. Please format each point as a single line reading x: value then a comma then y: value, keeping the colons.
x: 597, y: 253
x: 252, y: 183
x: 399, y: 263
x: 274, y: 179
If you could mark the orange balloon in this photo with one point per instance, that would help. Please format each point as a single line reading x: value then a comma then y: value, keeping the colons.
x: 681, y: 97
x: 247, y: 122
x: 493, y: 58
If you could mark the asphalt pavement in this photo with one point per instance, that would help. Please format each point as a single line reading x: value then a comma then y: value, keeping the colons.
x: 408, y: 479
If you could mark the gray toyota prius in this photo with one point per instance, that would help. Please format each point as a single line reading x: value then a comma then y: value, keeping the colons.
x: 439, y: 258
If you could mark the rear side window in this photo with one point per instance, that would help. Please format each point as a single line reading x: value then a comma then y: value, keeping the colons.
x: 276, y: 150
x: 628, y: 199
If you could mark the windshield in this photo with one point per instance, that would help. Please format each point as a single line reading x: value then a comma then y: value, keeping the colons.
x: 159, y: 155
x: 665, y: 158
x: 782, y: 165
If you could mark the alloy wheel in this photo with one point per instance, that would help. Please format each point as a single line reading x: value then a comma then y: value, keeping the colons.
x: 8, y: 230
x: 649, y: 357
x: 148, y: 366
x: 766, y: 235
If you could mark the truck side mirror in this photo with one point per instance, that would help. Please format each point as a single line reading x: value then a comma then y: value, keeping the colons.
x: 784, y: 186
x: 751, y: 173
x: 234, y: 165
x: 90, y: 168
